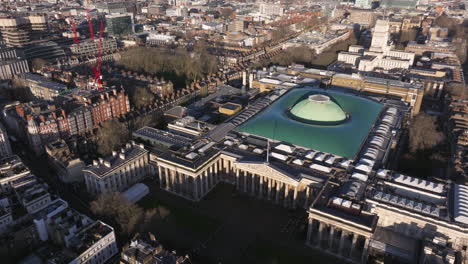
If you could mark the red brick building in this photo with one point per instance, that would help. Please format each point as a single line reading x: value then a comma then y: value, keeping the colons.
x: 42, y: 124
x: 106, y: 104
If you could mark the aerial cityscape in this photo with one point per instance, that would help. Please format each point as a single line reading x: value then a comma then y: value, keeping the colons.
x: 233, y: 132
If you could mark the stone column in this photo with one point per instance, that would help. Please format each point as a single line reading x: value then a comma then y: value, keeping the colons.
x: 343, y: 236
x: 286, y: 195
x: 245, y: 181
x: 330, y: 238
x: 182, y: 183
x: 309, y: 231
x: 173, y: 181
x: 206, y: 181
x: 306, y: 203
x: 216, y: 172
x: 237, y: 180
x: 252, y: 190
x: 353, y: 245
x: 260, y: 187
x: 294, y: 197
x: 278, y: 184
x: 166, y: 175
x: 269, y: 188
x: 365, y: 250
x: 212, y: 176
x: 195, y: 185
x: 201, y: 183
x: 177, y: 182
x: 160, y: 178
x: 320, y: 233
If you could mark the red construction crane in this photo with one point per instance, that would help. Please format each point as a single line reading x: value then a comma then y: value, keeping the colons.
x: 97, y: 69
x: 75, y: 35
x: 90, y: 22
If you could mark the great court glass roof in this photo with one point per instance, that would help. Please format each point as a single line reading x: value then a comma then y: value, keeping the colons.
x: 343, y: 139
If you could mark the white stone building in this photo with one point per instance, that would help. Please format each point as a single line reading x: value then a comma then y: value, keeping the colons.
x: 119, y: 171
x: 11, y: 170
x: 381, y: 55
x: 271, y: 9
x: 85, y: 240
x: 5, y: 147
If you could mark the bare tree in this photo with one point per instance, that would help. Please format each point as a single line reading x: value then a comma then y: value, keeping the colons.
x: 113, y: 207
x: 111, y: 135
x: 456, y: 89
x: 39, y: 63
x: 423, y: 133
x: 142, y: 97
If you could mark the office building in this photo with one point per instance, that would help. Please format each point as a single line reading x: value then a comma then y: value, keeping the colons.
x: 271, y: 9
x: 41, y: 87
x: 403, y: 4
x: 120, y: 25
x: 18, y: 31
x: 12, y: 67
x: 366, y: 4
x: 91, y: 47
x: 45, y: 49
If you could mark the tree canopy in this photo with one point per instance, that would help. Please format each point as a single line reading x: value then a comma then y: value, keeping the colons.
x: 111, y: 136
x: 456, y: 89
x: 423, y: 133
x: 307, y: 56
x: 178, y: 66
x: 39, y: 63
x: 142, y: 97
x: 457, y: 29
x: 113, y: 208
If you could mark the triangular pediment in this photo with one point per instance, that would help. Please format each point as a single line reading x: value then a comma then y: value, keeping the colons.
x: 266, y: 170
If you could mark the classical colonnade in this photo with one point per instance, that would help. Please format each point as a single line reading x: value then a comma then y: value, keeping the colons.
x: 269, y: 188
x: 192, y: 186
x: 262, y: 182
x: 339, y: 242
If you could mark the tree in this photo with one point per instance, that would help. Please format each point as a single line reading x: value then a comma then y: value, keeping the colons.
x: 17, y: 92
x: 227, y: 12
x: 456, y: 89
x: 151, y: 120
x: 179, y: 66
x: 38, y: 64
x: 307, y: 56
x: 445, y: 21
x: 423, y: 133
x: 114, y: 208
x: 142, y: 97
x: 111, y: 136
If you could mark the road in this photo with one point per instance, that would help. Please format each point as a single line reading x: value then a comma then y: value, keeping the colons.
x: 41, y: 167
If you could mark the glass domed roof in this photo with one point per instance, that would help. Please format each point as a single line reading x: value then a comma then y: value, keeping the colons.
x: 318, y: 108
